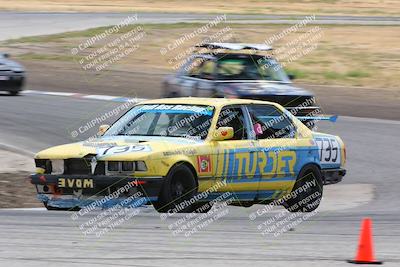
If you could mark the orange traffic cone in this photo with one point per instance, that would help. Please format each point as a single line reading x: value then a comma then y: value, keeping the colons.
x: 365, y: 253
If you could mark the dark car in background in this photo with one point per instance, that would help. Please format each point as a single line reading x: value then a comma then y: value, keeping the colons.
x: 236, y: 70
x: 12, y: 75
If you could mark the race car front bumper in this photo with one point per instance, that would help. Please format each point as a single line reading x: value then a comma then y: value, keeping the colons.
x: 80, y: 190
x: 332, y: 176
x: 11, y: 82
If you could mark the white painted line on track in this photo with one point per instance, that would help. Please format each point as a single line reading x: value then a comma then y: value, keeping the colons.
x: 25, y: 209
x: 14, y: 149
x: 60, y: 94
x: 85, y: 96
x: 100, y: 97
x: 48, y: 93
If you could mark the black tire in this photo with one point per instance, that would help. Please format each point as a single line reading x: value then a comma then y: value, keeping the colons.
x: 179, y: 185
x: 13, y: 93
x: 60, y: 209
x: 309, y: 199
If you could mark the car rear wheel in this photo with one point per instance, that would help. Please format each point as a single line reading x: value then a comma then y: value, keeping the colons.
x: 177, y: 191
x: 307, y: 192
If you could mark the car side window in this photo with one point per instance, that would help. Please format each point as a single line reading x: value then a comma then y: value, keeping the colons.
x: 269, y: 122
x: 233, y: 117
x: 194, y: 67
x: 200, y: 68
x: 207, y: 70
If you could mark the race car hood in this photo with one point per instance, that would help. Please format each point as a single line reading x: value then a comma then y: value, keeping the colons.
x: 7, y: 63
x: 262, y: 88
x: 117, y: 147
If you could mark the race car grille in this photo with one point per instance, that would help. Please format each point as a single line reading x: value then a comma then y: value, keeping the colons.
x: 82, y: 166
x: 13, y: 82
x: 77, y: 166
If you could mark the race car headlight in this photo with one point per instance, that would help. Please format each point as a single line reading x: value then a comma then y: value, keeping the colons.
x: 57, y: 166
x: 17, y: 69
x: 50, y: 166
x: 141, y: 166
x: 43, y: 166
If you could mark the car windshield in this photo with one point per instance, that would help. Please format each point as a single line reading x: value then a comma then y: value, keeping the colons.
x: 170, y: 120
x: 250, y: 68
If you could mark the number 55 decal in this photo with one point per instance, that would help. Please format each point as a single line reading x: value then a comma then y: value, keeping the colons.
x: 329, y: 150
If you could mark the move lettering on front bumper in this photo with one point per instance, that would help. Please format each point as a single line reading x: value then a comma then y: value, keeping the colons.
x: 95, y: 184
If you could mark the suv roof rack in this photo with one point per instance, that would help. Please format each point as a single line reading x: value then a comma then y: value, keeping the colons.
x: 235, y: 46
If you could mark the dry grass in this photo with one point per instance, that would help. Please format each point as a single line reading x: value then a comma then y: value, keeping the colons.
x: 17, y: 192
x: 345, y: 55
x: 343, y: 7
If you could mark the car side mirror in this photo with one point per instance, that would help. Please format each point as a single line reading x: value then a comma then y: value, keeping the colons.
x: 103, y: 128
x: 6, y: 55
x: 223, y: 133
x: 292, y: 76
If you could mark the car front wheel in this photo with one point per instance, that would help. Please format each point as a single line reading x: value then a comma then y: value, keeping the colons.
x: 177, y: 191
x: 307, y: 192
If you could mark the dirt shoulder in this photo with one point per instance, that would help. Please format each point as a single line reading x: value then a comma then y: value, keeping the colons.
x: 17, y: 192
x: 337, y: 7
x: 15, y: 189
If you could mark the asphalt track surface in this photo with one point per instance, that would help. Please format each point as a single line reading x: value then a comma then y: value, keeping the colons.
x: 20, y: 24
x: 44, y: 238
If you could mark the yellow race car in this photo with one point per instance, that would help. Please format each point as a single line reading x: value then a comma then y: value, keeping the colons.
x: 181, y: 154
